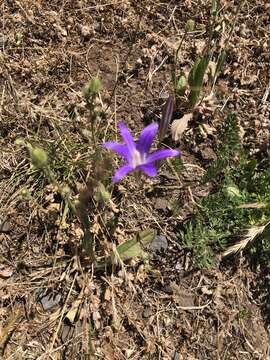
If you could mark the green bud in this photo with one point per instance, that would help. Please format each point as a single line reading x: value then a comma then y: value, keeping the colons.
x: 18, y: 38
x: 190, y: 25
x: 39, y: 157
x: 77, y: 203
x: 92, y: 88
x: 181, y: 85
x: 26, y: 194
x: 19, y: 141
x: 66, y: 190
x: 105, y: 195
x: 214, y: 8
x: 101, y: 194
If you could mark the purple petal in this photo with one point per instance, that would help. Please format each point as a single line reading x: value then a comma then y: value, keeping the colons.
x: 149, y: 169
x: 162, y: 154
x: 122, y: 172
x: 120, y: 149
x: 146, y: 138
x: 127, y: 137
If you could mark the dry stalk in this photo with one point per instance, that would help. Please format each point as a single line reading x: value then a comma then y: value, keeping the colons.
x: 250, y: 236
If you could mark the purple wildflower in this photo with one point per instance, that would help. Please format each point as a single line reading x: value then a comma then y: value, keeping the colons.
x: 137, y: 154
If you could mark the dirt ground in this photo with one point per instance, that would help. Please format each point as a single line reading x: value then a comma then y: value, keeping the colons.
x: 51, y: 308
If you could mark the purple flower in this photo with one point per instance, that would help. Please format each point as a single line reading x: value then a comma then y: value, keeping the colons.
x: 137, y: 154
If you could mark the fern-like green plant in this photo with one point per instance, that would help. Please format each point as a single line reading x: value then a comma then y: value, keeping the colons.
x: 240, y: 200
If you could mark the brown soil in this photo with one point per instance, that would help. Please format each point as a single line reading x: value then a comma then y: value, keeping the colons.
x: 51, y: 308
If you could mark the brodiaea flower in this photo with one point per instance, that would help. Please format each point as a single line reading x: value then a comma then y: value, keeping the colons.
x: 137, y: 154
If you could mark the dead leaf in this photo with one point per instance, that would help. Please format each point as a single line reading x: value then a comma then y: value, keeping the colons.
x: 217, y: 295
x: 107, y: 295
x: 9, y: 327
x: 71, y: 314
x: 183, y: 296
x: 252, y: 206
x: 5, y: 271
x: 73, y: 311
x: 179, y: 126
x: 206, y: 290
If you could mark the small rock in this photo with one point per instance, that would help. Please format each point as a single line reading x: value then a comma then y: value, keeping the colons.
x: 161, y: 204
x: 67, y: 332
x: 5, y: 226
x: 159, y: 243
x: 167, y: 289
x: 50, y: 301
x: 175, y: 356
x: 208, y: 153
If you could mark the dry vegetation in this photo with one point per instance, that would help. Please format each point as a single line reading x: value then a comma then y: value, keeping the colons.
x: 52, y: 304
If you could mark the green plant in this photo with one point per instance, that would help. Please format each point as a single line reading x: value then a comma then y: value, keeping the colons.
x: 214, y: 52
x: 239, y: 200
x: 78, y: 170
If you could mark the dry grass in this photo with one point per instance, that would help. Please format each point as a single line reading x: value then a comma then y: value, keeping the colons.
x: 249, y: 237
x: 53, y: 305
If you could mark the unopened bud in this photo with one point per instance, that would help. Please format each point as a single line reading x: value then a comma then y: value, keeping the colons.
x: 19, y: 141
x: 181, y: 85
x: 190, y: 25
x: 105, y: 195
x: 101, y: 194
x: 66, y: 190
x: 92, y: 88
x: 39, y: 158
x: 26, y: 194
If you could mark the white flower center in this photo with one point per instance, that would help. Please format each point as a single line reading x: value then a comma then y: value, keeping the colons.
x: 137, y: 159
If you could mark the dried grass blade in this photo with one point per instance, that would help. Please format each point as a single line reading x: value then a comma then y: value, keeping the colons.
x: 250, y: 236
x: 166, y: 117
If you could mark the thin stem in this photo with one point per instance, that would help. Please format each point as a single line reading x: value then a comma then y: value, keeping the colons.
x: 176, y: 58
x: 92, y: 118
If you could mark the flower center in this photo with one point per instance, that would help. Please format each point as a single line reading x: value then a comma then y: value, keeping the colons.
x: 137, y: 158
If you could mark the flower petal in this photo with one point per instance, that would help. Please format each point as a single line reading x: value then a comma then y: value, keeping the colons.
x: 120, y: 149
x: 146, y: 138
x: 127, y: 137
x: 162, y: 154
x: 122, y: 172
x: 148, y: 169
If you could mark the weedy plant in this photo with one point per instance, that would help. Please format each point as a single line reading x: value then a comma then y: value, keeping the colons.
x: 90, y: 169
x: 192, y: 85
x: 194, y: 90
x: 237, y: 209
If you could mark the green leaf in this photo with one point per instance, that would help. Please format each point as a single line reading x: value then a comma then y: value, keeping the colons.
x: 220, y: 62
x: 215, y: 7
x: 135, y: 247
x: 130, y: 248
x: 195, y: 79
